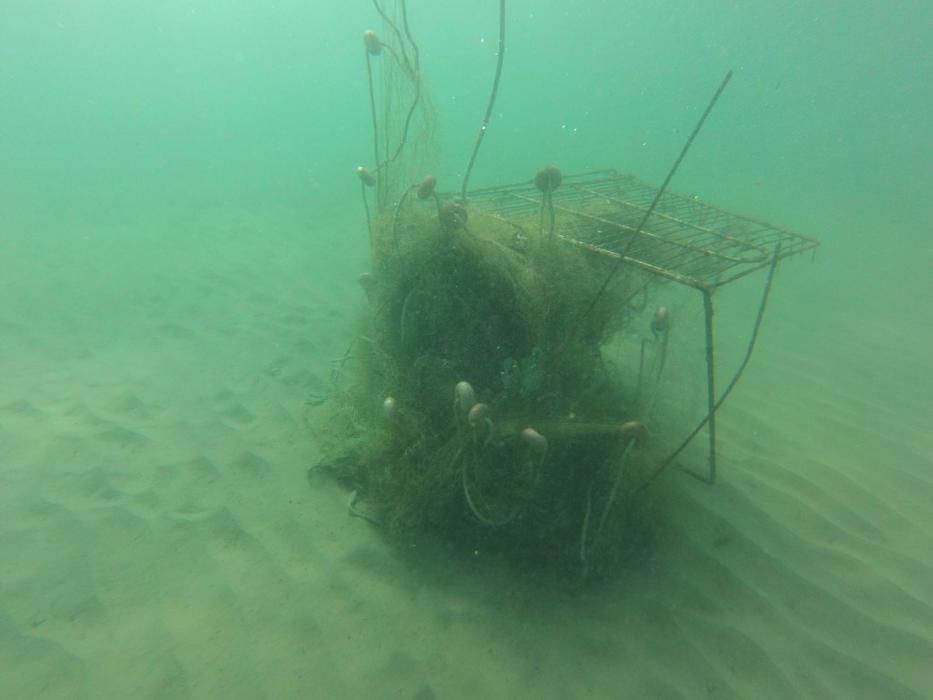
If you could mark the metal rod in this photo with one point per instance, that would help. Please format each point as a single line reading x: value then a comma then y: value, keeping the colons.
x: 654, y: 203
x: 492, y: 101
x: 710, y: 383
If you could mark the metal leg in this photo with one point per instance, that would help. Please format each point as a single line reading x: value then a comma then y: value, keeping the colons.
x: 714, y: 406
x: 710, y: 384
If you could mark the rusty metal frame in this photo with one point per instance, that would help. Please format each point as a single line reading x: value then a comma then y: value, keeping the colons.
x: 685, y: 240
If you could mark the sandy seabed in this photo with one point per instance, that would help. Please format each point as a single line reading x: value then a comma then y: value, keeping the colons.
x: 159, y: 537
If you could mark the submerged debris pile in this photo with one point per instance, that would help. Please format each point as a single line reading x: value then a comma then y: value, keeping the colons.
x: 484, y: 399
x: 478, y: 401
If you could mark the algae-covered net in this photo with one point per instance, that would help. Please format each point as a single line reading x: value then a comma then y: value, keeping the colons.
x: 484, y: 398
x: 477, y: 399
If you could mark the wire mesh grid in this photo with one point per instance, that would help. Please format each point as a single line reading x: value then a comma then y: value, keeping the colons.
x: 685, y: 239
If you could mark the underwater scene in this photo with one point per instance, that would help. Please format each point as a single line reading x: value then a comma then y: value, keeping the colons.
x: 386, y: 349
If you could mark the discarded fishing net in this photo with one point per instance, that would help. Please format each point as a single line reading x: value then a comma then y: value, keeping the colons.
x: 477, y: 398
x: 501, y: 390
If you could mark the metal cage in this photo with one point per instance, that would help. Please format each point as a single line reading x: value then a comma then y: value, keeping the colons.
x: 684, y: 240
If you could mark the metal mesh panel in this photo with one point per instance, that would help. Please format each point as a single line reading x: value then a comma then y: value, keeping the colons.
x: 685, y: 239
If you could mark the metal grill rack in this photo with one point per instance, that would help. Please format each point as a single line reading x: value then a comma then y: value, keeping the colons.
x: 685, y: 240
